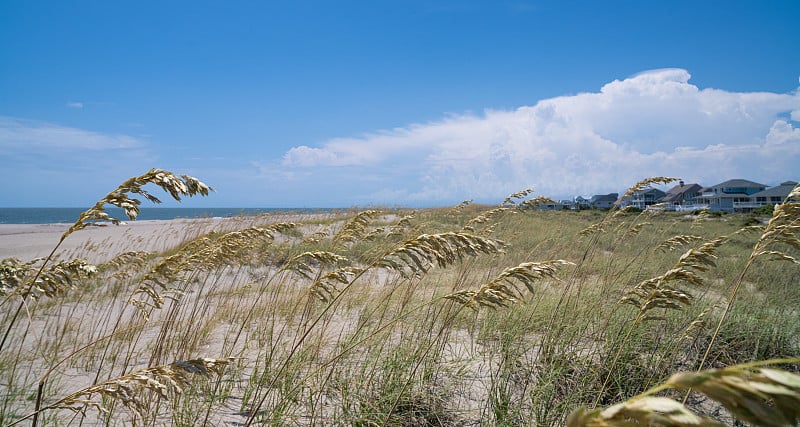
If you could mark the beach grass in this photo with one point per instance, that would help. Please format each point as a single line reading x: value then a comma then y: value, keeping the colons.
x: 469, y: 315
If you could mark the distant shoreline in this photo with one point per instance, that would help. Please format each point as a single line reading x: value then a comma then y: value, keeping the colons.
x: 18, y: 215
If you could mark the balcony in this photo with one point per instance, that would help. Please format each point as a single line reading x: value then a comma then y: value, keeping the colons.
x: 748, y: 205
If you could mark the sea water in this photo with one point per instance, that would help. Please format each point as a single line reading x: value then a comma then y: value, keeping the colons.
x: 70, y: 215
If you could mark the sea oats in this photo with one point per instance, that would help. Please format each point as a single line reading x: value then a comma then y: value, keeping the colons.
x: 767, y: 397
x: 169, y: 182
x: 647, y: 183
x: 783, y: 229
x: 701, y: 216
x: 699, y: 322
x: 163, y: 380
x: 460, y: 207
x: 677, y: 241
x: 305, y: 263
x: 536, y: 202
x: 484, y: 218
x: 703, y: 257
x: 418, y: 255
x: 316, y: 237
x: 659, y: 292
x: 402, y: 226
x: 636, y: 229
x: 325, y: 289
x: 355, y: 229
x: 240, y: 247
x: 596, y: 228
x: 646, y: 411
x: 519, y: 195
x: 30, y: 279
x: 504, y: 289
x: 758, y: 395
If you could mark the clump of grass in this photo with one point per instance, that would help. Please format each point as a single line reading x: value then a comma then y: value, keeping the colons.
x: 755, y: 394
x: 675, y: 242
x: 504, y: 290
x: 355, y: 228
x: 16, y: 277
x: 130, y: 390
x: 418, y: 255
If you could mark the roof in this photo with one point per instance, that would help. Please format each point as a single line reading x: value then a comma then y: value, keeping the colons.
x: 677, y: 192
x: 611, y: 197
x: 651, y: 190
x: 782, y: 190
x: 738, y: 183
x: 680, y: 189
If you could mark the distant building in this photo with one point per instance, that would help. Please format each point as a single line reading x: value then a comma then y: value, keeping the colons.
x: 568, y: 204
x: 642, y: 199
x: 730, y: 196
x: 773, y: 196
x: 681, y: 197
x: 603, y: 201
x: 582, y: 203
x: 552, y: 205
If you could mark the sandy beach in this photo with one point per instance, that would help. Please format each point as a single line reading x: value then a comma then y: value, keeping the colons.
x: 98, y: 244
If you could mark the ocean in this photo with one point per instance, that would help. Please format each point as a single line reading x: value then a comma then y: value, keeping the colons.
x: 70, y: 215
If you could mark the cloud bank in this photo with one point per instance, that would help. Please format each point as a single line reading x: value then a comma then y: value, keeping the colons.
x: 653, y: 123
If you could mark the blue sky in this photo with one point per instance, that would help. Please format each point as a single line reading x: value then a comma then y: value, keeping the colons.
x: 414, y: 103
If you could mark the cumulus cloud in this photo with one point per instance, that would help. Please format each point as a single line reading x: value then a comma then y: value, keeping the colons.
x: 652, y: 123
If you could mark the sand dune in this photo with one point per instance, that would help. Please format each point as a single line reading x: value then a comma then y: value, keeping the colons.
x: 97, y: 244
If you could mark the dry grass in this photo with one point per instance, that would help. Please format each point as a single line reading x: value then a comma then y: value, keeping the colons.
x: 359, y: 319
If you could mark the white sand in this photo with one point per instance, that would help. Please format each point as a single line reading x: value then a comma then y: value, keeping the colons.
x: 97, y: 244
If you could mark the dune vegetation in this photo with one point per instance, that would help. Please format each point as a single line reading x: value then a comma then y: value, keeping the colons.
x: 471, y: 315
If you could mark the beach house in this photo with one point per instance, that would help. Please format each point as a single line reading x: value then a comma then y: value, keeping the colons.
x: 642, y: 199
x: 733, y: 195
x: 603, y: 201
x: 772, y: 196
x: 681, y: 197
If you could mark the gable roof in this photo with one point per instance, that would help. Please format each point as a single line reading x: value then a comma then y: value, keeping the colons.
x: 738, y: 183
x: 650, y: 190
x: 782, y: 190
x: 611, y: 197
x: 677, y: 192
x: 680, y: 189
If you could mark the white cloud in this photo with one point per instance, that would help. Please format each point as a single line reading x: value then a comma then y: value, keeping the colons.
x: 64, y: 166
x: 653, y: 123
x: 783, y: 132
x: 34, y: 136
x: 77, y: 105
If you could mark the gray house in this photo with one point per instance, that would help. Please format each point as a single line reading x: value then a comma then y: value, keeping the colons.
x: 772, y: 196
x: 581, y: 202
x: 681, y: 197
x: 643, y: 199
x: 603, y: 201
x: 730, y: 196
